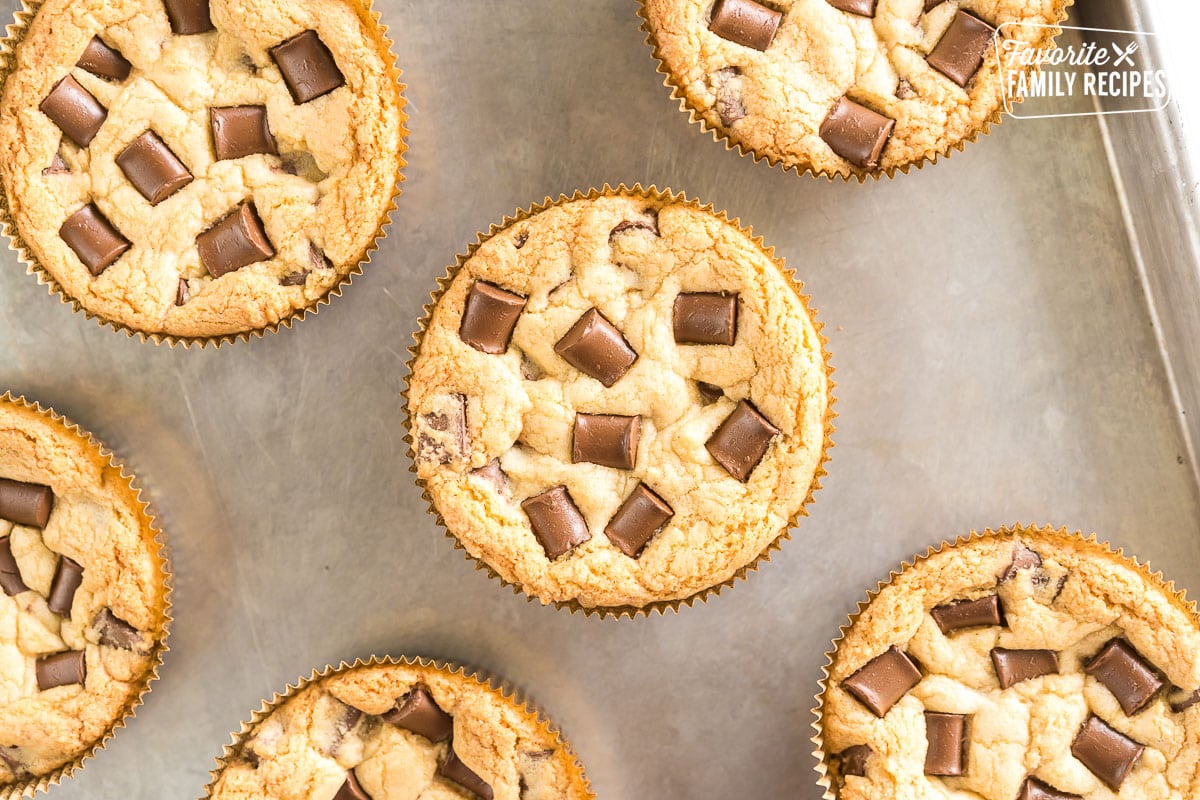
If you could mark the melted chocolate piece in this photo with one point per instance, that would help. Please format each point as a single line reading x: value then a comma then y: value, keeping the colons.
x: 595, y: 347
x: 853, y: 760
x: 930, y: 5
x: 188, y: 16
x: 864, y: 8
x: 883, y: 680
x: 856, y: 133
x: 705, y: 318
x: 1126, y: 674
x: 1033, y: 789
x: 74, y: 110
x: 609, y: 440
x: 93, y: 238
x: 419, y: 712
x: 26, y: 504
x: 317, y: 257
x: 307, y: 67
x: 642, y: 515
x: 294, y: 279
x: 745, y: 22
x: 520, y: 239
x: 239, y: 131
x: 741, y: 441
x: 235, y: 241
x: 351, y: 789
x: 57, y: 166
x: 182, y: 292
x: 442, y: 431
x: 650, y: 226
x: 709, y: 392
x: 968, y: 614
x: 556, y: 521
x: 1108, y: 753
x: 1023, y: 558
x: 116, y: 632
x: 10, y: 573
x: 905, y: 90
x: 67, y: 578
x: 493, y: 474
x: 103, y: 61
x: 1014, y: 666
x: 152, y: 168
x: 947, y: 744
x: 61, y: 669
x: 490, y: 317
x: 729, y: 104
x: 1179, y: 699
x: 456, y: 771
x: 960, y: 52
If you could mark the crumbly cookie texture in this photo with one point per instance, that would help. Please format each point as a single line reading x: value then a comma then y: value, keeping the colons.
x: 312, y: 743
x: 774, y: 101
x: 629, y: 257
x: 98, y: 523
x: 1057, y: 593
x: 322, y: 200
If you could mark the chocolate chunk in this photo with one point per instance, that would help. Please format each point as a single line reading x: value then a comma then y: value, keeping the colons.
x: 1108, y: 753
x: 705, y: 318
x: 67, y: 578
x: 455, y: 770
x: 188, y: 16
x: 1023, y: 558
x: 1126, y: 674
x: 650, y: 226
x: 609, y: 440
x: 418, y: 712
x: 856, y: 133
x: 905, y: 90
x: 442, y: 431
x: 556, y: 521
x: 239, y: 131
x: 530, y: 371
x: 493, y: 474
x: 317, y: 257
x: 57, y: 166
x: 307, y: 67
x: 947, y: 743
x: 27, y: 504
x: 595, y: 347
x: 294, y: 279
x: 74, y: 110
x: 1014, y: 666
x: 730, y: 106
x: 236, y: 241
x: 116, y: 632
x: 745, y: 22
x: 182, y: 293
x: 152, y: 168
x: 1033, y: 789
x: 864, y: 8
x: 968, y: 614
x: 642, y: 515
x: 709, y: 392
x: 1179, y: 699
x: 103, y: 61
x: 930, y: 5
x: 959, y: 53
x: 490, y: 317
x: 520, y: 239
x: 93, y: 238
x: 61, y: 669
x: 10, y: 573
x: 853, y: 760
x: 351, y: 789
x: 741, y: 441
x: 883, y: 680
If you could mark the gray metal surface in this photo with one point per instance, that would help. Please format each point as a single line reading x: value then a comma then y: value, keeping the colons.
x: 996, y: 362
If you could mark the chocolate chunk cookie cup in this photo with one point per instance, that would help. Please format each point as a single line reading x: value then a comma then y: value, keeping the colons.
x: 847, y: 88
x: 399, y: 728
x: 1026, y: 663
x: 619, y: 401
x: 84, y: 597
x: 194, y: 171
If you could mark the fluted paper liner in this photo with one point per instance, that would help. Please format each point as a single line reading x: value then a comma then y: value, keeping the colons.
x: 499, y: 687
x: 16, y: 32
x: 652, y: 193
x: 41, y: 783
x: 722, y: 134
x: 1099, y: 548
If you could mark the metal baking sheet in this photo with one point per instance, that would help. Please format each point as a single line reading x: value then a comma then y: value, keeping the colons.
x: 996, y: 362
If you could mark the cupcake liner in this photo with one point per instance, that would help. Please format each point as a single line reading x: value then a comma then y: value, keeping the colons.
x: 721, y: 135
x: 652, y: 193
x: 41, y: 783
x: 503, y: 688
x: 1097, y: 546
x: 15, y: 33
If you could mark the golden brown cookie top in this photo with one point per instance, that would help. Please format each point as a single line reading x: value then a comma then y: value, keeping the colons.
x: 83, y: 600
x: 398, y: 732
x: 618, y: 401
x: 195, y: 169
x: 1025, y: 664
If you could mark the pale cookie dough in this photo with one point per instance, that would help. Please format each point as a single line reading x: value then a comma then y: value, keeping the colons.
x: 337, y: 730
x: 491, y: 430
x: 116, y: 618
x: 773, y: 102
x: 322, y: 200
x: 1060, y: 594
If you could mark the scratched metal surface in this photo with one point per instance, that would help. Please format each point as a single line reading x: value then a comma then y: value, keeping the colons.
x: 995, y: 360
